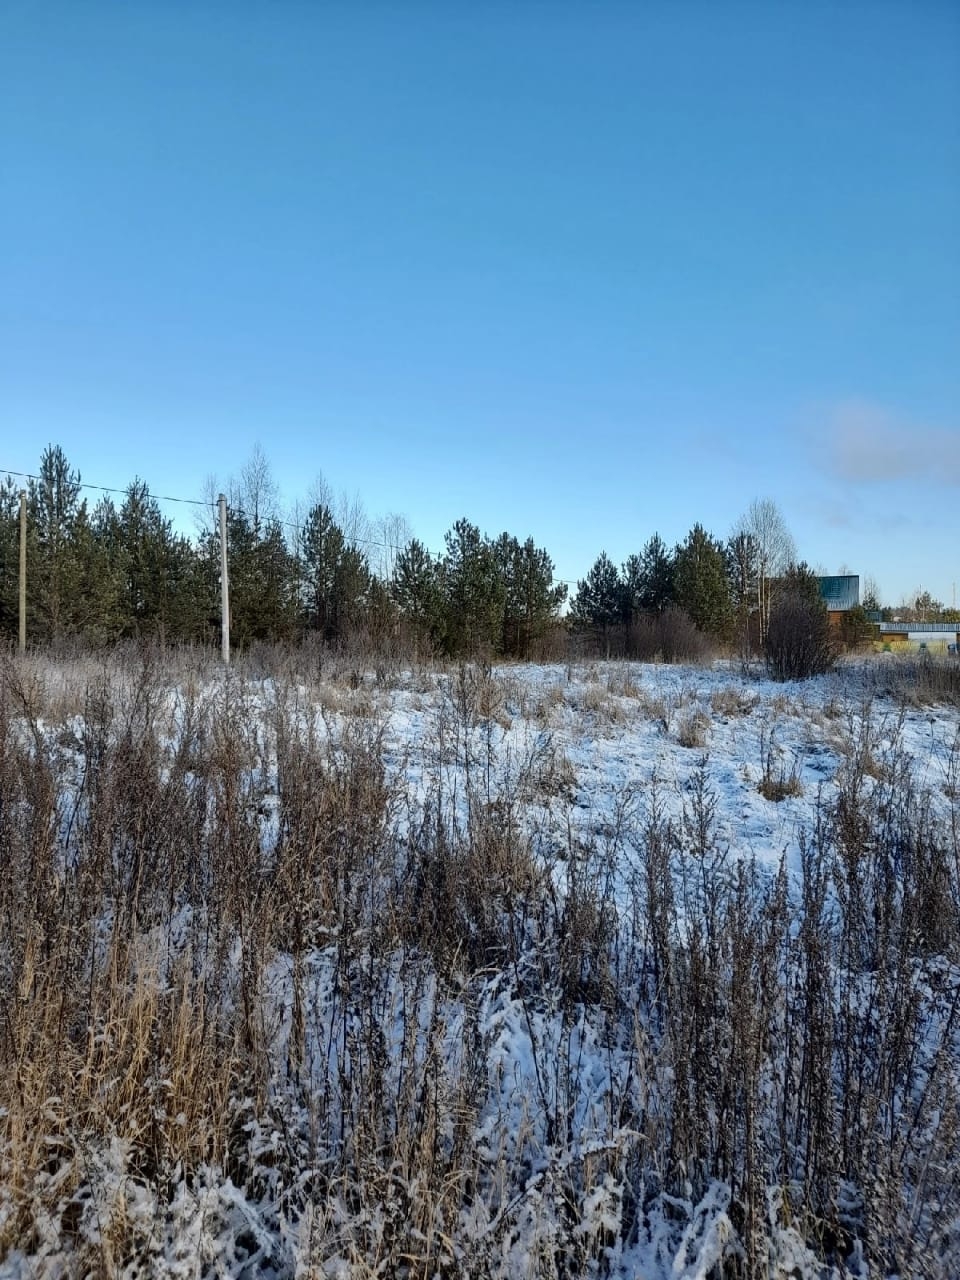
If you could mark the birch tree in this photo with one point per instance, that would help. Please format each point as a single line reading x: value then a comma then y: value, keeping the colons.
x: 775, y: 551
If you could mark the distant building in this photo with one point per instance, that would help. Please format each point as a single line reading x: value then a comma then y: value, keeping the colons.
x: 934, y: 637
x: 840, y: 594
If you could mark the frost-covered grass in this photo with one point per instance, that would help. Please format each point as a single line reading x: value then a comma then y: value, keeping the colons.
x: 608, y: 969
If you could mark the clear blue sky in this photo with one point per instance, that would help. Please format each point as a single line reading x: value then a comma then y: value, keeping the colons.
x: 576, y: 271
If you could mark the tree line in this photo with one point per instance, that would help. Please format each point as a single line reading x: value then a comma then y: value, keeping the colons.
x: 727, y: 590
x: 120, y: 570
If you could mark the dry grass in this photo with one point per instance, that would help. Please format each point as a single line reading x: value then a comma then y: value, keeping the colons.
x: 622, y: 682
x: 604, y: 707
x: 730, y: 701
x: 547, y: 704
x: 481, y: 694
x: 549, y: 774
x: 780, y: 779
x: 781, y: 785
x: 917, y: 679
x: 235, y: 955
x: 692, y: 728
x: 655, y: 707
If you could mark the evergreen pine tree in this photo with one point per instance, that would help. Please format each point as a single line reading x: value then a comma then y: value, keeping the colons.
x: 475, y: 592
x: 743, y: 566
x: 597, y: 605
x: 351, y: 589
x: 71, y: 589
x: 632, y: 584
x: 323, y: 549
x: 658, y: 588
x: 532, y: 600
x: 9, y: 557
x: 53, y: 506
x: 416, y: 587
x: 702, y: 583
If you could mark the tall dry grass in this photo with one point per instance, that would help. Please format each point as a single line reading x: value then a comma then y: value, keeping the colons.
x: 257, y: 995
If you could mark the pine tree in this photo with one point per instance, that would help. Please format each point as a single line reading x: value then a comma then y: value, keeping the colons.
x: 532, y: 600
x: 598, y: 603
x: 71, y: 589
x: 323, y: 549
x: 475, y: 592
x: 152, y: 566
x: 275, y: 584
x: 416, y: 587
x: 658, y: 588
x: 92, y: 604
x: 743, y: 567
x: 263, y: 603
x: 631, y: 585
x: 351, y: 589
x: 53, y: 506
x: 702, y: 584
x: 9, y: 557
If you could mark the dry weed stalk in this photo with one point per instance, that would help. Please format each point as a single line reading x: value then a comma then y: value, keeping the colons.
x: 414, y: 1039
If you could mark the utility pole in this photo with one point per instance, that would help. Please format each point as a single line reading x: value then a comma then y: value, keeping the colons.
x: 23, y: 570
x: 224, y: 584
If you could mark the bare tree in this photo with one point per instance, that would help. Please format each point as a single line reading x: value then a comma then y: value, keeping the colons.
x: 256, y: 491
x: 349, y: 513
x: 320, y: 493
x: 775, y: 550
x: 870, y: 598
x: 353, y: 520
x: 205, y: 517
x: 392, y: 532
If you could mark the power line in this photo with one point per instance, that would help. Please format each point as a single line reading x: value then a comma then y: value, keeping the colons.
x: 104, y: 488
x: 210, y: 505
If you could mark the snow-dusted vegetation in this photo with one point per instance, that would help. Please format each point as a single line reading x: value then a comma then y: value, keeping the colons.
x: 610, y: 970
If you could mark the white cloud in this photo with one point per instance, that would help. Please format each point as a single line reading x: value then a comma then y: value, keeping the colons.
x: 866, y: 443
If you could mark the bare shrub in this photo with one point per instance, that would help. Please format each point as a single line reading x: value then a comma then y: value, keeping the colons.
x: 798, y: 642
x: 670, y: 636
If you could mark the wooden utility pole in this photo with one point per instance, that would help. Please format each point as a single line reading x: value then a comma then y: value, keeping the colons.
x: 23, y: 570
x: 224, y: 584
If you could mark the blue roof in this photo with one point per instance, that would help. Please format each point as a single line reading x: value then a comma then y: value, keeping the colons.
x: 841, y: 591
x: 907, y: 628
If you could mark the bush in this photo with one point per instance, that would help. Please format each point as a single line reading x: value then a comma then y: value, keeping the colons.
x: 670, y: 636
x: 799, y: 643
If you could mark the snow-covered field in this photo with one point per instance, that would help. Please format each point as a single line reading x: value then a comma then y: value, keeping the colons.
x: 615, y: 969
x: 620, y: 728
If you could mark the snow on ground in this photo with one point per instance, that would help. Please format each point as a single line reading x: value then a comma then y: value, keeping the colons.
x: 592, y: 750
x: 626, y: 732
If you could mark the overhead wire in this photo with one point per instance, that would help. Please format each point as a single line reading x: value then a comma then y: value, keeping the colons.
x: 211, y: 504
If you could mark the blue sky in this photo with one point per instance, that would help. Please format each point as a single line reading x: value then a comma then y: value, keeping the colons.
x: 576, y: 271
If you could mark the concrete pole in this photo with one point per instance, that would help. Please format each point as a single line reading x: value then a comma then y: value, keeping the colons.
x: 224, y: 584
x: 23, y: 570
